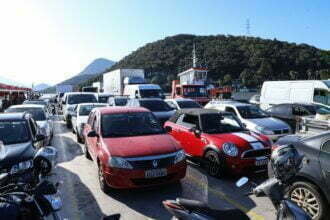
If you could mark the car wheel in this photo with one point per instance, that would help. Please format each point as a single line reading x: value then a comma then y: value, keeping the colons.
x: 214, y: 165
x: 68, y: 123
x: 103, y: 185
x: 79, y: 139
x: 308, y: 197
x: 86, y: 152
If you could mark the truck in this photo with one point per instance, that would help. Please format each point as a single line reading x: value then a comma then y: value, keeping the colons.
x: 131, y: 83
x: 295, y: 91
x: 98, y: 85
x: 192, y: 85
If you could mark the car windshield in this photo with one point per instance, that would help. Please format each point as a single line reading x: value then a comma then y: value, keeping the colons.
x: 151, y: 93
x: 13, y: 132
x: 194, y: 91
x: 35, y: 102
x: 120, y: 101
x: 130, y: 124
x: 217, y: 124
x: 188, y: 104
x: 38, y: 114
x: 81, y: 98
x: 103, y: 99
x: 251, y: 111
x: 86, y: 109
x: 155, y: 105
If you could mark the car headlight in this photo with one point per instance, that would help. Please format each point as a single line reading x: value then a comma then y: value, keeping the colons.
x: 230, y: 149
x: 180, y: 156
x: 21, y: 166
x: 264, y: 130
x: 55, y: 201
x: 119, y: 162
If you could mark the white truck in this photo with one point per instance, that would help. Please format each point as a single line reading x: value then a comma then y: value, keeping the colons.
x: 131, y: 83
x: 297, y: 91
x: 98, y: 85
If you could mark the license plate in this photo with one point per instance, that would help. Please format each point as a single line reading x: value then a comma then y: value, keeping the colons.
x: 261, y: 162
x: 155, y: 173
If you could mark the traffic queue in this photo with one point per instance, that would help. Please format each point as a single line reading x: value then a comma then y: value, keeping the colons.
x: 146, y: 142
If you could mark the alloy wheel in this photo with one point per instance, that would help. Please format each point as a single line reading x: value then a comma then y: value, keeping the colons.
x: 306, y: 200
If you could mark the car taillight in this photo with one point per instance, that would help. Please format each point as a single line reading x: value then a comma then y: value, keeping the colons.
x: 274, y: 146
x: 172, y: 205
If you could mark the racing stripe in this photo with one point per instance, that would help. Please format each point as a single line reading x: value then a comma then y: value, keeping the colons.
x: 246, y: 137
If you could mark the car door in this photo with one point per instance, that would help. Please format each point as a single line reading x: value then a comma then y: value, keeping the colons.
x: 325, y: 161
x: 87, y: 129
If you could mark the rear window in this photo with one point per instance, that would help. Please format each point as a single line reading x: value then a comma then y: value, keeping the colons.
x: 37, y: 113
x: 121, y: 101
x: 188, y: 104
x: 86, y: 109
x: 155, y: 105
x: 81, y: 98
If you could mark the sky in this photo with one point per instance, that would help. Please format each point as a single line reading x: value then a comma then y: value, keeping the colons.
x: 50, y: 41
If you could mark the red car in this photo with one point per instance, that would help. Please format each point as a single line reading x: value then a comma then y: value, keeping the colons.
x: 131, y: 149
x: 220, y: 141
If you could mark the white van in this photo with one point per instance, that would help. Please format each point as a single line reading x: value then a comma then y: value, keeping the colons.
x: 300, y: 91
x: 143, y: 91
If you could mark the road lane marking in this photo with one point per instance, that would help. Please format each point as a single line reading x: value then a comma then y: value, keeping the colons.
x: 223, y: 196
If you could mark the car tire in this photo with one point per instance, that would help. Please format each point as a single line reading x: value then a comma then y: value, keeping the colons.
x: 301, y: 188
x: 215, y: 165
x: 68, y: 122
x: 79, y: 139
x: 103, y: 185
x: 86, y: 152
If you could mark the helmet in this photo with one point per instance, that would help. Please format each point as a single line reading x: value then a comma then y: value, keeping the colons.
x: 286, y: 162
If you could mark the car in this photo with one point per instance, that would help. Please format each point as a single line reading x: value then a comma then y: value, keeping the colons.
x: 117, y: 101
x: 253, y: 118
x: 40, y: 115
x: 291, y: 113
x: 255, y: 99
x: 159, y: 107
x: 71, y: 99
x: 182, y: 103
x: 219, y: 141
x: 131, y: 149
x: 36, y: 102
x: 311, y: 187
x: 19, y: 130
x: 103, y: 97
x: 80, y: 116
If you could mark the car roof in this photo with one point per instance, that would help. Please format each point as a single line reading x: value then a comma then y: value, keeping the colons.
x: 105, y: 94
x: 150, y: 99
x: 27, y: 106
x: 180, y: 99
x: 200, y: 111
x: 13, y: 116
x: 92, y: 103
x: 229, y: 102
x: 121, y: 109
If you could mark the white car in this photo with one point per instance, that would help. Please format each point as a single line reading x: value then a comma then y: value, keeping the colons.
x: 253, y: 118
x: 40, y: 115
x: 71, y: 99
x: 182, y: 103
x: 80, y: 117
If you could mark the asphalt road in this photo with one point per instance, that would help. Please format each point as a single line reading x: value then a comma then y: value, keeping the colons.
x: 83, y: 199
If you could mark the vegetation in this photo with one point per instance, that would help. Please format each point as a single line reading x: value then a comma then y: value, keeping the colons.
x: 246, y: 60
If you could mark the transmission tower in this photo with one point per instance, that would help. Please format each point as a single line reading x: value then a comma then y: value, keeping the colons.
x: 248, y: 26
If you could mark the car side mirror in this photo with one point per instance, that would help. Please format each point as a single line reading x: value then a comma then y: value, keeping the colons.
x: 40, y: 137
x: 63, y: 102
x: 92, y: 134
x: 168, y: 129
x: 197, y: 132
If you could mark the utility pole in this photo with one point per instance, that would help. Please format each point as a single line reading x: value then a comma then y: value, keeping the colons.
x: 247, y: 26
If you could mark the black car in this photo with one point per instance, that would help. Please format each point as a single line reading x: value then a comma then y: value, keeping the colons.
x: 290, y: 113
x: 20, y: 138
x: 311, y: 188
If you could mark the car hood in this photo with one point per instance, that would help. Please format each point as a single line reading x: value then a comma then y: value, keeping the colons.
x: 163, y: 115
x: 269, y: 122
x: 140, y: 146
x: 243, y: 140
x: 15, y: 153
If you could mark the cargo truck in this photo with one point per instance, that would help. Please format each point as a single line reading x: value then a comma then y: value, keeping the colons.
x: 131, y: 83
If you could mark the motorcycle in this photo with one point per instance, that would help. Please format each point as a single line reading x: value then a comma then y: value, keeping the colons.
x: 274, y: 190
x: 196, y: 210
x: 19, y: 201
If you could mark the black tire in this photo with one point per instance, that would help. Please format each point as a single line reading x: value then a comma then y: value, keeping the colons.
x: 103, y: 185
x: 214, y: 165
x: 86, y: 152
x: 319, y: 202
x: 79, y: 139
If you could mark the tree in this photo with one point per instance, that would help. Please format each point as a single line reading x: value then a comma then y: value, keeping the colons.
x: 264, y: 72
x: 293, y: 75
x: 227, y: 80
x: 247, y: 78
x: 324, y: 74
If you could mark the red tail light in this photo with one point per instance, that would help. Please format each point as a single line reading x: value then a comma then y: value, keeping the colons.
x: 274, y: 146
x: 172, y: 205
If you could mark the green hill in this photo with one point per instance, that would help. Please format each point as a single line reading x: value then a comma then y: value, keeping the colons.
x: 248, y: 60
